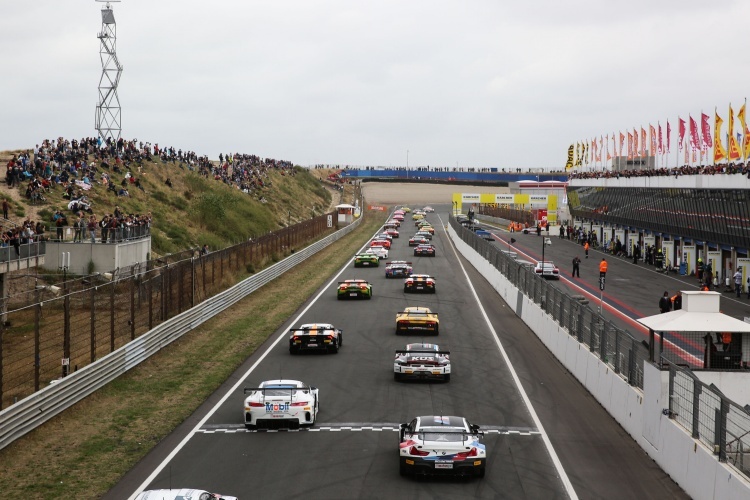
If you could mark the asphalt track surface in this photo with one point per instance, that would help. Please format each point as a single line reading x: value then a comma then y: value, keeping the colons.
x: 351, y: 452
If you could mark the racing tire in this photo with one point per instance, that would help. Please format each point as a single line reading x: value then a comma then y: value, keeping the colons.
x: 250, y: 427
x: 437, y: 330
x: 341, y: 339
x: 481, y: 472
x: 447, y: 377
x: 338, y: 297
x: 293, y: 351
x: 397, y: 377
x: 406, y: 290
x: 334, y: 349
x: 434, y: 290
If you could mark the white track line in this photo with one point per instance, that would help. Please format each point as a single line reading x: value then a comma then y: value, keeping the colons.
x: 538, y: 423
x: 240, y: 382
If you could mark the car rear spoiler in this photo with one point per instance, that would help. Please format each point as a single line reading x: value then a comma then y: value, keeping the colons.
x: 305, y: 331
x: 389, y: 263
x: 291, y: 390
x: 353, y: 283
x: 417, y: 313
x: 422, y: 277
x: 404, y: 351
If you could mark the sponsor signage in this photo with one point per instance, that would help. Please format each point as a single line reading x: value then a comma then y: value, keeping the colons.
x: 538, y: 199
x: 504, y: 198
x: 469, y: 197
x: 377, y: 208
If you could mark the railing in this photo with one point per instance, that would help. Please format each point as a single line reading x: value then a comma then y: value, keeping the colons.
x: 101, y: 235
x: 614, y: 346
x: 719, y: 423
x: 27, y: 251
x: 44, y: 404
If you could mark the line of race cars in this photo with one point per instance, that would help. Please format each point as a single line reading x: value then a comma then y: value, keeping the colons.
x: 429, y: 445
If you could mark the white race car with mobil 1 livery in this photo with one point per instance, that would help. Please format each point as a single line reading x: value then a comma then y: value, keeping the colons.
x: 433, y: 445
x: 281, y: 404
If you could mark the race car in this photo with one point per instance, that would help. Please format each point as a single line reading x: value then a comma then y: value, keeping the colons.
x: 406, y: 209
x: 384, y: 236
x: 417, y: 319
x: 418, y: 240
x: 360, y: 289
x: 425, y: 249
x: 315, y: 336
x: 392, y: 232
x: 280, y: 404
x: 398, y: 217
x: 381, y: 243
x: 425, y: 234
x: 426, y: 228
x: 422, y: 361
x: 181, y: 494
x: 366, y: 260
x: 417, y: 216
x: 381, y: 252
x: 428, y: 209
x: 433, y: 445
x: 398, y: 269
x: 420, y: 283
x: 547, y: 269
x: 394, y: 223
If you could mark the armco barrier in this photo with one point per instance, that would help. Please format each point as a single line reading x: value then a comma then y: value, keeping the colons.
x: 689, y: 463
x: 31, y: 412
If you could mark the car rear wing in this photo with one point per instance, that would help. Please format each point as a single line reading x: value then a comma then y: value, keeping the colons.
x: 355, y: 283
x: 292, y: 390
x: 425, y: 435
x: 422, y: 277
x: 404, y: 351
x: 417, y: 313
x: 398, y: 263
x: 306, y: 331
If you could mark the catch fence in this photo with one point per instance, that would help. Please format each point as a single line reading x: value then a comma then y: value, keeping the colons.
x: 51, y: 331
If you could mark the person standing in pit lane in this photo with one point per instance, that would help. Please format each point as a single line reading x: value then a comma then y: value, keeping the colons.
x: 665, y: 305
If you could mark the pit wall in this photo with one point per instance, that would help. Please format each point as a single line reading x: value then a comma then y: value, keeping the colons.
x: 688, y: 462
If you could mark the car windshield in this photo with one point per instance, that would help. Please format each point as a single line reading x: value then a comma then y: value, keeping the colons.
x: 278, y: 390
x: 442, y: 434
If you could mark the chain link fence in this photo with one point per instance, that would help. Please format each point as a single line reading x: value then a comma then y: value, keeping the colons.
x: 614, y: 346
x: 50, y: 331
x: 719, y: 423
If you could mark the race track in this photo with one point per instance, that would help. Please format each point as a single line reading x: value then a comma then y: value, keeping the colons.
x: 351, y: 452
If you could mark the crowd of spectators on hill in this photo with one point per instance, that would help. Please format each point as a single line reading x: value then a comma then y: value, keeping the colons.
x: 77, y: 166
x: 723, y: 168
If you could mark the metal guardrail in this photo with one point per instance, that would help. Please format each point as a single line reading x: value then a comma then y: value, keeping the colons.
x: 614, y: 346
x: 25, y: 251
x: 709, y: 416
x: 31, y: 412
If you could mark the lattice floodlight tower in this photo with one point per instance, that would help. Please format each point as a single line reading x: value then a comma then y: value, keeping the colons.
x: 108, y: 108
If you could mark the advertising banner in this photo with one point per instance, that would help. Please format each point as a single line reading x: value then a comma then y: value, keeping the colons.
x: 607, y: 235
x: 689, y: 256
x: 620, y: 235
x: 649, y: 240
x: 743, y: 265
x: 668, y: 248
x: 713, y: 257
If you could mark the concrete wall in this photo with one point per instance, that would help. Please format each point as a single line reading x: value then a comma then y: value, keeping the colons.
x: 105, y: 256
x: 688, y: 462
x: 733, y: 384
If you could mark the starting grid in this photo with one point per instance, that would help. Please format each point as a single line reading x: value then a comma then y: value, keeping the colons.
x: 240, y: 429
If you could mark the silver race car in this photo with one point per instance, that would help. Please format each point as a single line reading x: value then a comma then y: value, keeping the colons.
x: 422, y: 361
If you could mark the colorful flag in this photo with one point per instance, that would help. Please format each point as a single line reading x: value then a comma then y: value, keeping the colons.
x: 635, y: 142
x: 630, y: 146
x: 669, y: 136
x: 569, y: 163
x: 622, y: 142
x: 745, y: 132
x: 706, y: 129
x: 643, y: 142
x: 681, y: 133
x: 695, y: 141
x: 652, y: 132
x: 719, y: 152
x: 732, y: 146
x: 661, y: 144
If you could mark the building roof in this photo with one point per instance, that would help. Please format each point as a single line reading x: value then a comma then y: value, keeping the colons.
x: 700, y: 313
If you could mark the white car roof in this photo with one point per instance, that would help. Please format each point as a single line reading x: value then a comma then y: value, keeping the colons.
x: 293, y: 383
x: 315, y: 326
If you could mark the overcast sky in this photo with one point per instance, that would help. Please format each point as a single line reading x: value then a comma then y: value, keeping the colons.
x: 474, y: 83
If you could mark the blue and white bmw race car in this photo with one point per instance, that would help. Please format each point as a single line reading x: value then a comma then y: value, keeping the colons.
x: 398, y: 269
x: 433, y: 445
x: 281, y: 404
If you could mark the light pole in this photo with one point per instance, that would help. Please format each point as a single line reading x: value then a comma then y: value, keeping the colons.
x: 64, y: 265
